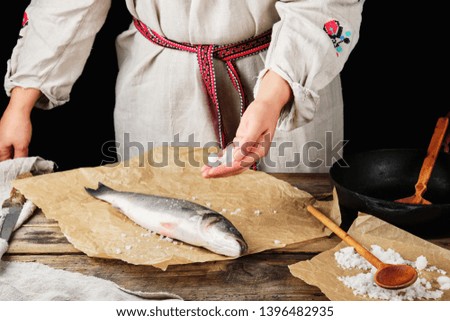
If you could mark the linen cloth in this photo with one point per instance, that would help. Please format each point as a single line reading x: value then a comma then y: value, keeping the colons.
x: 159, y: 92
x: 37, y: 282
x: 9, y: 170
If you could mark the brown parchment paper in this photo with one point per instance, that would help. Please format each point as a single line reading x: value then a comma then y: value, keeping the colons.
x: 322, y: 270
x: 268, y: 212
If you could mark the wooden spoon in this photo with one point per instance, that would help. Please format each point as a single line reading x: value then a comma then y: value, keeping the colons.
x: 428, y: 164
x: 388, y: 276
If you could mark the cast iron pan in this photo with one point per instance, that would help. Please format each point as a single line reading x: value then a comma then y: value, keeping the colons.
x: 370, y: 181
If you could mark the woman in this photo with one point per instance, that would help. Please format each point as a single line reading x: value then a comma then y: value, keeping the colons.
x: 187, y: 71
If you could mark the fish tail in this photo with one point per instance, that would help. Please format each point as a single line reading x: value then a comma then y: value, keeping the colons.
x: 101, y: 189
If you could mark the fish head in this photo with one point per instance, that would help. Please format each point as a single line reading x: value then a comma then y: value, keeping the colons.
x: 222, y: 236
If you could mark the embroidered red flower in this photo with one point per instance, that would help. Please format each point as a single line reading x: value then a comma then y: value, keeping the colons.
x: 25, y: 19
x: 331, y: 27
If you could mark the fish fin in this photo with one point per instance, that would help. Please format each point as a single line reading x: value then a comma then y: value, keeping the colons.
x: 101, y: 189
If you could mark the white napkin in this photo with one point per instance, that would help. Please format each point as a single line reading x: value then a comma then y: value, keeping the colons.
x: 37, y: 282
x: 9, y: 170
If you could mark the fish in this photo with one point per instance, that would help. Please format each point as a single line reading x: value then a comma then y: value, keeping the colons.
x: 176, y: 218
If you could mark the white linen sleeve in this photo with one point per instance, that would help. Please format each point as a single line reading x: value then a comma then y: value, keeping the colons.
x: 310, y: 45
x: 53, y: 46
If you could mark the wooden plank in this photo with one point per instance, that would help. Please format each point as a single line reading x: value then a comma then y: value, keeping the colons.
x: 314, y: 183
x: 40, y: 239
x: 239, y: 279
x: 39, y: 219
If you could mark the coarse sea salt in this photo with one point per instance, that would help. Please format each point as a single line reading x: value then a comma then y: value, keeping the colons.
x: 227, y: 157
x: 363, y: 283
x: 421, y: 263
x: 236, y: 211
x: 444, y: 282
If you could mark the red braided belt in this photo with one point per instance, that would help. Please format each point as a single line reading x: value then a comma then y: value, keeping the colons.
x: 205, y: 55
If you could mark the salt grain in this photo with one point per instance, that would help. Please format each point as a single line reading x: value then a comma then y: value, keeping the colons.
x: 435, y: 269
x: 117, y: 251
x: 277, y: 242
x: 213, y: 158
x: 208, y: 204
x: 166, y: 238
x: 444, y: 282
x: 123, y: 235
x: 363, y: 283
x: 128, y: 247
x: 235, y: 211
x: 257, y: 212
x: 421, y: 263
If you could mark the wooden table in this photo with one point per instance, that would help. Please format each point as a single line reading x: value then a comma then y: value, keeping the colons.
x: 263, y: 276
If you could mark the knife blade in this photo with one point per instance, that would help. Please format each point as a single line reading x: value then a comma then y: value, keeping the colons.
x: 12, y: 215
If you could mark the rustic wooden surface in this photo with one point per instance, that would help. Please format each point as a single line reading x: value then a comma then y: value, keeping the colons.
x: 263, y: 276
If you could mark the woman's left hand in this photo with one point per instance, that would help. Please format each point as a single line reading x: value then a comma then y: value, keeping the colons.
x: 256, y: 129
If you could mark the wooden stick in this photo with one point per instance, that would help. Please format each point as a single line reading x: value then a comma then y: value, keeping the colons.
x: 432, y: 153
x: 345, y: 237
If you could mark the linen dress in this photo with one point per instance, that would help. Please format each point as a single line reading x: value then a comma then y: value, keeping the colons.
x: 160, y: 97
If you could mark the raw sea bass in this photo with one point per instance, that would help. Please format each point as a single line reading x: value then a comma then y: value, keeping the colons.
x: 176, y: 218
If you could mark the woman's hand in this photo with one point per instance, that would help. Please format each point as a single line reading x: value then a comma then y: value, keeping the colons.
x: 15, y: 124
x: 257, y: 127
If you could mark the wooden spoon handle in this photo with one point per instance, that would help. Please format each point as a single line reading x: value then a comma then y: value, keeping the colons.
x: 432, y: 153
x: 345, y: 237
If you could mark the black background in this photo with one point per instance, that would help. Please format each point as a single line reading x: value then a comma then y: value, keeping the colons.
x: 392, y: 92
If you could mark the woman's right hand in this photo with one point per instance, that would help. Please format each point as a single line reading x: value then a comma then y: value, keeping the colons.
x: 15, y: 134
x: 15, y: 124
